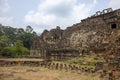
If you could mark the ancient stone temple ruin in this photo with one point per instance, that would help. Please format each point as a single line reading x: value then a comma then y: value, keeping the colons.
x: 99, y: 33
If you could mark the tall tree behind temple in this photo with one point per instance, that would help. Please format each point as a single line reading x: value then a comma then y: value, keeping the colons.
x: 4, y: 42
x: 14, y: 34
x: 29, y: 36
x: 9, y: 32
x: 29, y: 29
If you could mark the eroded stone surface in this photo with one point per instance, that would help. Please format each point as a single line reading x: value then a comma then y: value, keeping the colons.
x: 99, y: 33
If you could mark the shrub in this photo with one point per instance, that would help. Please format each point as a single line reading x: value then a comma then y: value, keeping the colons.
x: 8, y: 52
x: 13, y: 52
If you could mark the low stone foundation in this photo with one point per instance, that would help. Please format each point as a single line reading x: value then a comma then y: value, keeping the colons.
x: 49, y: 65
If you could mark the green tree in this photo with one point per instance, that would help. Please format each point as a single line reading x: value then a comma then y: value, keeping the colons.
x: 10, y: 33
x: 18, y: 46
x: 20, y: 49
x: 29, y: 29
x: 16, y: 50
x: 9, y: 52
x: 4, y: 41
x: 1, y: 30
x: 30, y: 35
x: 20, y: 34
x: 26, y: 36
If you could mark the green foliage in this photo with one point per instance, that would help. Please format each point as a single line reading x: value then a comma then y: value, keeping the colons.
x: 4, y: 41
x: 15, y: 41
x: 12, y: 52
x: 8, y: 52
x: 29, y: 29
x: 29, y: 36
x: 26, y: 36
x: 18, y: 45
x: 19, y: 50
x: 24, y: 51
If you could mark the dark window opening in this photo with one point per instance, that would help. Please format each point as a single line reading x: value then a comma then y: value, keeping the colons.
x: 113, y: 26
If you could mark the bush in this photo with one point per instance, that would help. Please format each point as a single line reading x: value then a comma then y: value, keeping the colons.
x: 8, y: 52
x: 13, y: 52
x: 24, y: 51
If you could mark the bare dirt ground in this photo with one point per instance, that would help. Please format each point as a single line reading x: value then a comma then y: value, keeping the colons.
x: 38, y: 73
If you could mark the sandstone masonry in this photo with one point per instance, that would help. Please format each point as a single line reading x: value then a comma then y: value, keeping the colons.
x: 99, y: 33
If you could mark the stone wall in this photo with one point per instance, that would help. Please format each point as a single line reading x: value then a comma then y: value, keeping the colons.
x: 99, y: 33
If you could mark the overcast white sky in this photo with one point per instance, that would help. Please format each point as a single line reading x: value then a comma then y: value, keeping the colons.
x: 47, y: 14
